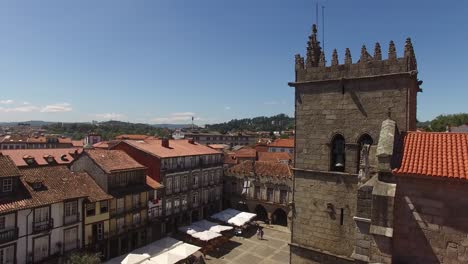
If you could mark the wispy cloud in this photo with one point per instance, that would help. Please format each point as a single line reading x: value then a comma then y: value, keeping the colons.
x: 110, y: 116
x: 55, y: 108
x: 9, y: 101
x: 19, y: 109
x: 227, y: 108
x: 176, y: 118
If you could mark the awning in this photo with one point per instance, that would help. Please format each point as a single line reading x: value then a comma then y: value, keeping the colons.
x: 204, y: 230
x: 234, y: 217
x: 164, y: 251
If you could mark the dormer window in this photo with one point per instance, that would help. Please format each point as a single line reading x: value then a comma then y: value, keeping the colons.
x: 338, y: 154
x: 64, y: 157
x: 49, y: 158
x: 29, y: 160
x: 36, y: 185
x: 7, y: 185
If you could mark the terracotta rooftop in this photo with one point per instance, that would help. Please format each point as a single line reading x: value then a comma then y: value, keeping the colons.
x: 435, y: 154
x: 261, y: 148
x: 8, y: 167
x: 246, y: 152
x: 106, y: 144
x: 58, y: 184
x: 61, y: 155
x: 230, y: 158
x: 177, y: 148
x: 132, y: 137
x: 283, y: 143
x: 261, y: 168
x: 273, y: 156
x: 218, y: 146
x: 78, y: 143
x: 153, y: 183
x: 113, y: 160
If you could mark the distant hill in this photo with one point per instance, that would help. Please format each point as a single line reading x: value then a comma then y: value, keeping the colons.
x: 108, y: 130
x: 173, y: 126
x: 34, y: 123
x: 262, y: 123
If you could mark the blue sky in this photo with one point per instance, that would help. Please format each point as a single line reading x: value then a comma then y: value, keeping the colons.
x: 164, y: 61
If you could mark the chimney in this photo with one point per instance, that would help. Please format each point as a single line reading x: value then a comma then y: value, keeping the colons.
x: 191, y: 141
x: 165, y: 143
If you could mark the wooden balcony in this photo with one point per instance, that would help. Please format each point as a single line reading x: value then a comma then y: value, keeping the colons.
x: 43, y: 225
x: 8, y: 235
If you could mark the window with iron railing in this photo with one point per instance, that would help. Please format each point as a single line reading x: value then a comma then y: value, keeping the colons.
x: 184, y: 202
x: 42, y: 220
x: 136, y: 219
x: 184, y: 182
x: 257, y: 194
x: 155, y: 211
x: 168, y: 185
x: 176, y: 184
x: 176, y: 205
x: 195, y: 199
x: 136, y: 201
x: 270, y: 194
x: 120, y: 205
x: 168, y: 207
x: 195, y: 180
x: 283, y: 197
x: 71, y: 212
x: 120, y: 224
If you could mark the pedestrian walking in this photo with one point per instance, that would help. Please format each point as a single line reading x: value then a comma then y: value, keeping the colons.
x: 261, y: 234
x: 258, y: 233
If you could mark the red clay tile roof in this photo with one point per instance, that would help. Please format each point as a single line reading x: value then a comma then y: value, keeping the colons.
x: 273, y: 156
x: 435, y: 154
x: 246, y: 152
x: 61, y: 155
x: 230, y: 158
x: 132, y: 137
x: 78, y: 143
x: 261, y: 148
x: 59, y: 184
x: 283, y: 143
x: 102, y: 144
x: 113, y: 160
x: 177, y: 148
x: 218, y: 146
x: 8, y: 167
x: 261, y: 168
x: 153, y: 183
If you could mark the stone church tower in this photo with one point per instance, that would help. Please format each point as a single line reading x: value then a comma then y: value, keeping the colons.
x: 343, y: 190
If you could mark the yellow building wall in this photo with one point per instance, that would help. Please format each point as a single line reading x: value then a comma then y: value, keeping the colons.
x: 98, y: 217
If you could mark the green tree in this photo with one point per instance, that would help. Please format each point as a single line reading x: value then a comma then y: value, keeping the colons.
x: 441, y: 122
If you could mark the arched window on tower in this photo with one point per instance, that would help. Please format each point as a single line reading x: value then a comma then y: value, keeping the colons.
x: 338, y: 153
x: 363, y: 140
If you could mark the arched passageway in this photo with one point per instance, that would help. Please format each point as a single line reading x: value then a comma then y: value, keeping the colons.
x: 261, y: 213
x: 279, y: 217
x: 195, y: 216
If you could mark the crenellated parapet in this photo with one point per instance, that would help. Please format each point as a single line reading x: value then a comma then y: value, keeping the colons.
x: 314, y: 67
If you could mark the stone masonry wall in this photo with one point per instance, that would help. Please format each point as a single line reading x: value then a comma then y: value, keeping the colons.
x: 350, y: 108
x: 431, y: 221
x: 314, y: 226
